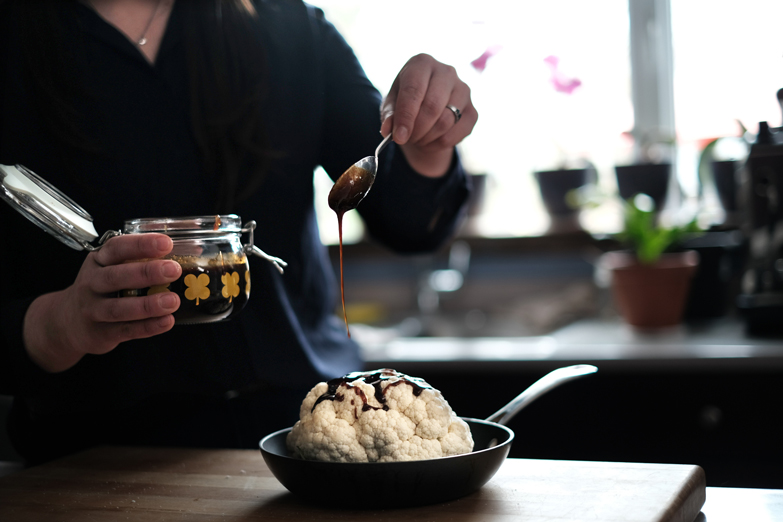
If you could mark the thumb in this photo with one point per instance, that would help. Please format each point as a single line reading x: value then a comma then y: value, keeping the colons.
x: 387, y: 110
x: 387, y: 123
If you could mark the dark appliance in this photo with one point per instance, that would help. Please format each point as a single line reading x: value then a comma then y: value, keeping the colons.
x: 761, y: 297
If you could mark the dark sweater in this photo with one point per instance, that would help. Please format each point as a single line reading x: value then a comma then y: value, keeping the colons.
x: 225, y: 384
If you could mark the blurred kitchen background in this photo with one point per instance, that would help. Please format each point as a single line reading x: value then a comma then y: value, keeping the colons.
x: 688, y: 70
x: 566, y: 85
x: 587, y: 86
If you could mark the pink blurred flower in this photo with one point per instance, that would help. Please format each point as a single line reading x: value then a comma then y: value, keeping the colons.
x: 560, y: 81
x: 480, y: 63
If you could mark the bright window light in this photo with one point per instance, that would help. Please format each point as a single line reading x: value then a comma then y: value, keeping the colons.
x: 727, y: 67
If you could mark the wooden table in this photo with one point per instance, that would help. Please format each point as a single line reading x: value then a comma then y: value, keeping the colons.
x: 143, y: 484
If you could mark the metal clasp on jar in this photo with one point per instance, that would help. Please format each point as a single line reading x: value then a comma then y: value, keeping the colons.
x: 251, y: 248
x: 105, y: 237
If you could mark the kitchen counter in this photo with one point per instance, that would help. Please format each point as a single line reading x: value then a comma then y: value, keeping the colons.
x: 147, y: 484
x: 693, y: 394
x: 611, y: 345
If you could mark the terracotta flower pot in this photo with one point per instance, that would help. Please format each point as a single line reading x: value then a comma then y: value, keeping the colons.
x: 651, y: 296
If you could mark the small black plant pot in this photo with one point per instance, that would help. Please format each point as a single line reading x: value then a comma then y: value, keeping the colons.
x: 725, y: 175
x: 644, y: 178
x: 555, y: 186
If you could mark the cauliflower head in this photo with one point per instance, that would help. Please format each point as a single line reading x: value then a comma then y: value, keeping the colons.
x: 377, y: 416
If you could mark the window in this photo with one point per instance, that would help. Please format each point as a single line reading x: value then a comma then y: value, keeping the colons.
x: 726, y: 65
x: 525, y: 124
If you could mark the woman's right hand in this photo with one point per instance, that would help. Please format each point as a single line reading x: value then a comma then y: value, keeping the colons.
x: 88, y: 317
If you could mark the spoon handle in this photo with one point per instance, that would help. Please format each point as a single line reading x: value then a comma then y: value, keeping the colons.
x: 537, y: 389
x: 385, y: 142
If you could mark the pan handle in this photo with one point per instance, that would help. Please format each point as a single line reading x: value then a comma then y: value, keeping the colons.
x: 546, y: 383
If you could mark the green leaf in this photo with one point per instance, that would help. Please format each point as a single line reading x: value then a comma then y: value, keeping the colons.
x: 705, y: 162
x: 648, y: 240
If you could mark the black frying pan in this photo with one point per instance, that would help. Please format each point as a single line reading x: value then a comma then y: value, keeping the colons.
x: 409, y: 483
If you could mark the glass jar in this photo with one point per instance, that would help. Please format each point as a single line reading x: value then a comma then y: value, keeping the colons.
x: 215, y: 281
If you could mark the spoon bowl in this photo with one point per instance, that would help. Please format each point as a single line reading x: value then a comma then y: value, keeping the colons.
x: 353, y: 185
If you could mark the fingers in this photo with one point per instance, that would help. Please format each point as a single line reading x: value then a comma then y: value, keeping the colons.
x: 408, y: 92
x: 133, y: 247
x: 105, y: 320
x: 439, y: 92
x: 127, y: 262
x: 111, y: 270
x: 146, y: 328
x: 387, y: 112
x: 112, y: 279
x: 448, y: 131
x: 416, y: 106
x: 112, y: 334
x: 88, y: 317
x: 127, y: 309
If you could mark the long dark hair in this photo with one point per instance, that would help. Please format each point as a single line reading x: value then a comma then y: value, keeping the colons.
x: 227, y: 87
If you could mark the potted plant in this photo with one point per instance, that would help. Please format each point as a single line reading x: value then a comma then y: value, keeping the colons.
x: 566, y: 168
x: 650, y: 171
x: 650, y: 280
x: 558, y: 187
x: 719, y: 169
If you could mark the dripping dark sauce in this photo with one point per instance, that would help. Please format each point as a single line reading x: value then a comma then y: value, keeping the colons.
x: 346, y: 194
x: 342, y: 278
x: 374, y: 378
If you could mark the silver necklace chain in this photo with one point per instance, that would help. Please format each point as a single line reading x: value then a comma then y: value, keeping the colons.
x: 143, y: 39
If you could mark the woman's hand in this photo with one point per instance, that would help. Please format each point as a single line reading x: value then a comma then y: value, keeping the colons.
x: 88, y: 317
x: 416, y: 108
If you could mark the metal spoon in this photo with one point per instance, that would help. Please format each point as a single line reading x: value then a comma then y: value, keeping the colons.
x: 546, y: 383
x: 354, y: 184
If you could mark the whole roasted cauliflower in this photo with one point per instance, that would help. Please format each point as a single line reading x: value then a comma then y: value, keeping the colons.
x: 377, y: 416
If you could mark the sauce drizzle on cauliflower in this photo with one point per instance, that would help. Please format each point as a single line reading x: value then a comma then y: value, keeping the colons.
x: 375, y: 379
x: 378, y: 416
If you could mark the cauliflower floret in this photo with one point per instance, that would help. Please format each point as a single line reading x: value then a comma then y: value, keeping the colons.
x: 378, y: 416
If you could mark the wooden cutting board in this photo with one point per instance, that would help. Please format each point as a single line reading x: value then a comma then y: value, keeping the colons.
x: 143, y: 484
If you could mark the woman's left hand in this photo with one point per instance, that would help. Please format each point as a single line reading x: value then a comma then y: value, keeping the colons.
x: 417, y: 111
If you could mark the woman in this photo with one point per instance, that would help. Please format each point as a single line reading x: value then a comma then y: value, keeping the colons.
x: 142, y: 108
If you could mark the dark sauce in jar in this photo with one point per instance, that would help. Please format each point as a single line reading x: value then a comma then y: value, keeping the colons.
x: 209, y: 289
x: 375, y: 379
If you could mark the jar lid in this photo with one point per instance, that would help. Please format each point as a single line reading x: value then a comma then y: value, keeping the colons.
x: 43, y: 204
x: 215, y: 224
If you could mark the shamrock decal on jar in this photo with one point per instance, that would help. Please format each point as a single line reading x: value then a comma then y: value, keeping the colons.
x: 230, y: 285
x: 158, y: 289
x: 197, y: 287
